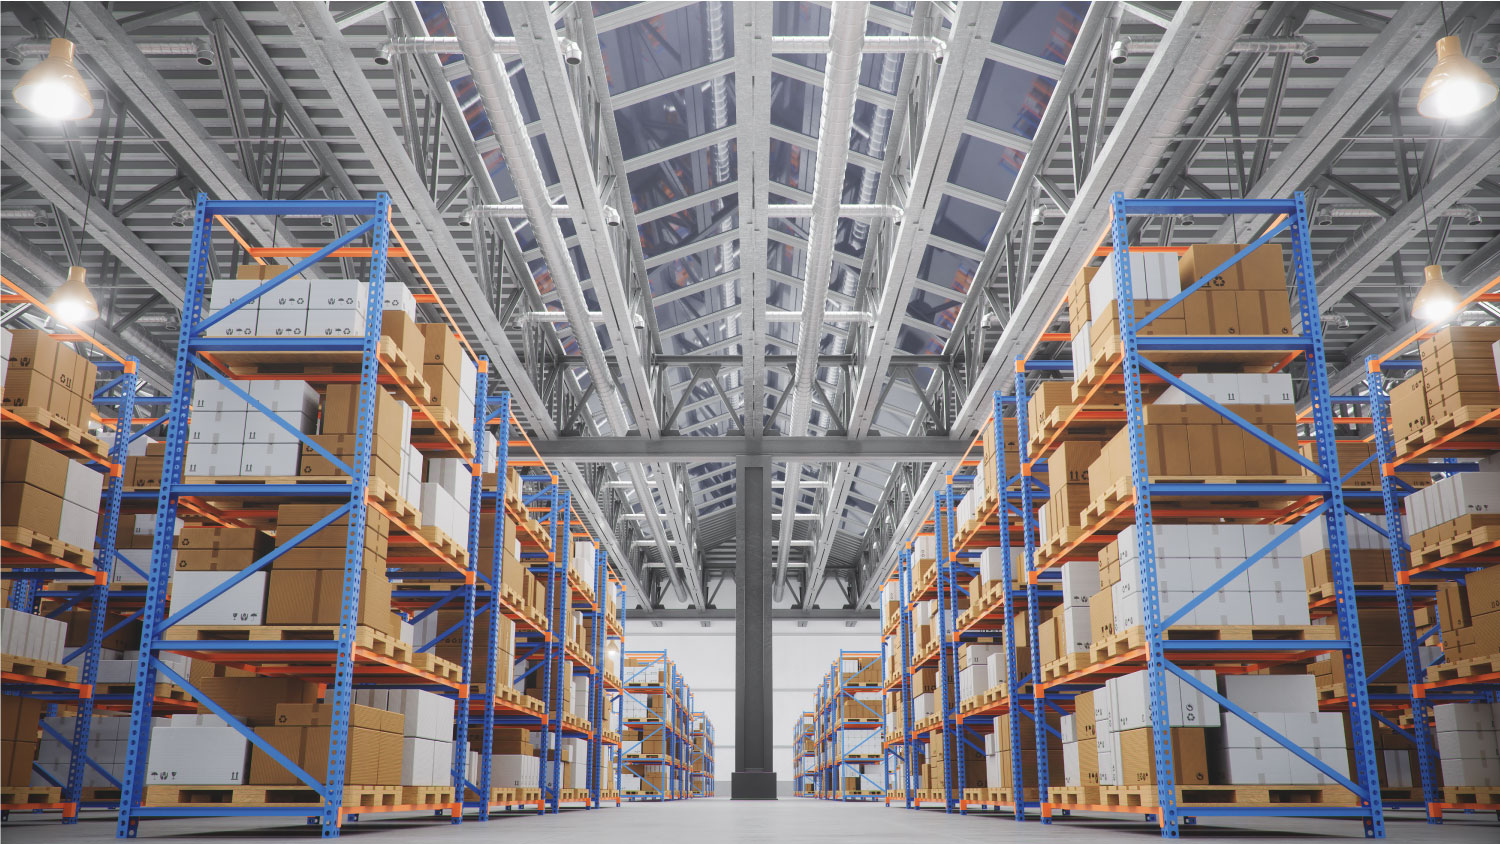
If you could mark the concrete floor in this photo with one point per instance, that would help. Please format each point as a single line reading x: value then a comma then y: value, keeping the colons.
x: 784, y: 822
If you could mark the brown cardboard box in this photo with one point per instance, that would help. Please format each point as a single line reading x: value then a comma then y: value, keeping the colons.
x: 403, y: 330
x: 31, y: 349
x: 1484, y: 591
x: 341, y: 413
x: 220, y: 549
x: 30, y: 507
x: 1263, y: 269
x: 292, y: 519
x: 259, y: 272
x: 371, y: 757
x: 1409, y: 411
x: 27, y: 388
x: 30, y: 462
x: 384, y: 456
x: 1078, y: 298
x: 441, y: 347
x: 20, y: 717
x: 143, y: 472
x: 252, y: 699
x: 315, y: 596
x: 1049, y: 396
x: 302, y: 714
x: 1088, y: 761
x: 1369, y: 566
x: 1102, y: 614
x: 445, y: 388
x: 1189, y: 756
x: 15, y: 762
x: 1083, y: 715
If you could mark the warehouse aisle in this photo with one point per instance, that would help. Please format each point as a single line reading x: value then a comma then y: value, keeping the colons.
x: 787, y: 821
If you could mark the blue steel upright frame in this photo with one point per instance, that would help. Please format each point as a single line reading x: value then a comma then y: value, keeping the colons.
x: 1293, y: 219
x: 191, y: 347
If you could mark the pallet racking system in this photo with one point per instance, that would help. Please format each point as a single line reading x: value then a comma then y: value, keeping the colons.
x: 847, y: 729
x: 32, y: 567
x: 701, y: 756
x: 900, y: 740
x: 657, y: 703
x: 1450, y: 448
x: 348, y: 658
x: 1162, y: 656
x: 804, y: 756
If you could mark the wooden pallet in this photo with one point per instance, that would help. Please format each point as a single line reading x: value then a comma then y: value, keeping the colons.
x: 1123, y: 490
x: 443, y: 421
x: 1474, y: 667
x: 1087, y: 429
x: 28, y: 538
x: 1478, y: 795
x: 1340, y: 691
x: 511, y: 696
x: 445, y: 543
x: 1067, y: 665
x: 1328, y: 591
x: 41, y: 669
x: 434, y: 664
x: 19, y: 796
x: 382, y: 493
x: 1062, y: 537
x: 364, y: 637
x: 327, y: 367
x: 1482, y: 535
x: 355, y: 796
x: 1447, y: 424
x: 1129, y: 640
x: 40, y: 418
x: 426, y: 795
x: 1130, y: 796
x: 1082, y: 795
x: 163, y: 691
x: 1401, y: 795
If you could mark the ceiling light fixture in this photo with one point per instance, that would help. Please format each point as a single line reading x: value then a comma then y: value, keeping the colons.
x: 54, y: 89
x: 1456, y: 87
x: 1437, y: 301
x: 73, y: 302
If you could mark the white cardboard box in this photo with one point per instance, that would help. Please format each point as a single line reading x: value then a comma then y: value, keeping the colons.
x: 1186, y: 706
x: 290, y: 296
x: 243, y: 603
x: 1153, y: 275
x: 281, y: 323
x: 1271, y: 692
x: 78, y: 523
x: 330, y: 323
x: 1258, y: 765
x: 83, y: 485
x: 197, y: 756
x: 279, y: 459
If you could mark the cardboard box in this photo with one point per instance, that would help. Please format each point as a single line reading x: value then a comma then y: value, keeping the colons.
x: 197, y: 755
x: 1189, y: 756
x: 30, y: 462
x: 30, y: 507
x: 242, y: 604
x: 315, y: 596
x: 341, y: 413
x: 441, y: 347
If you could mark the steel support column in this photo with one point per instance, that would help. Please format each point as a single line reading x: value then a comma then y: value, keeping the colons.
x: 755, y: 775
